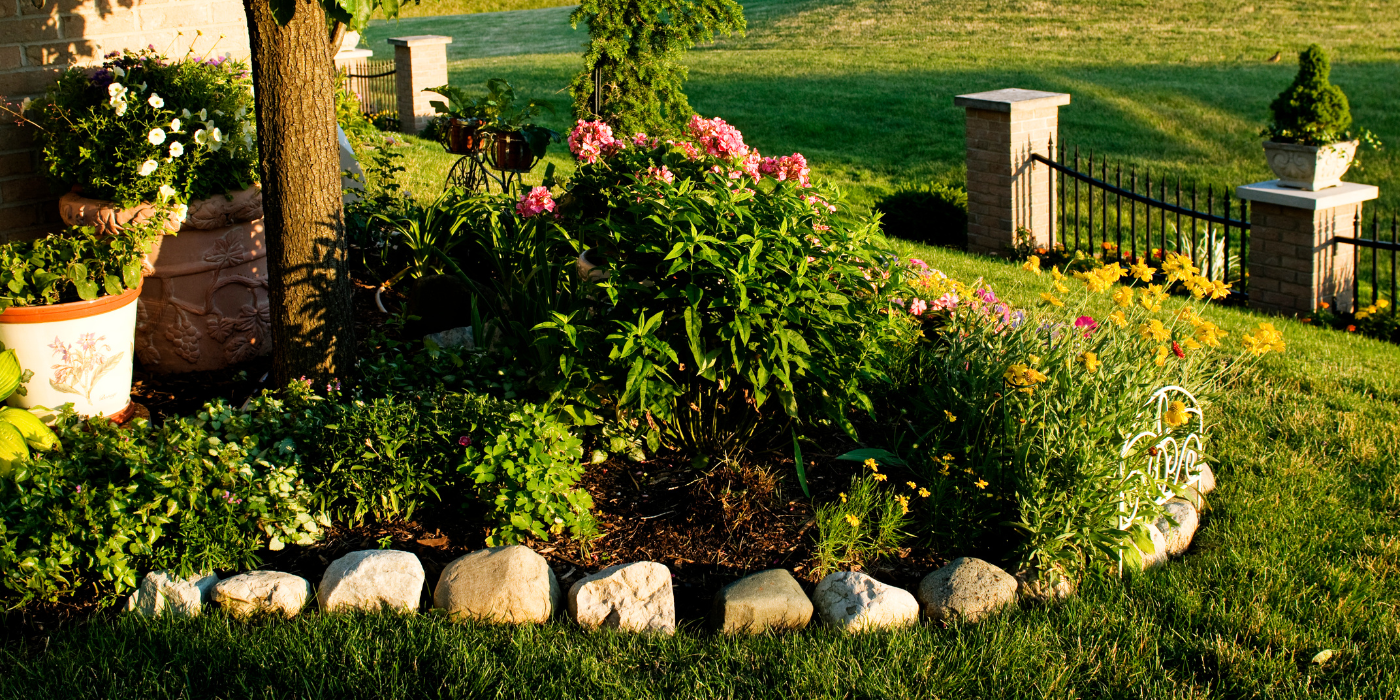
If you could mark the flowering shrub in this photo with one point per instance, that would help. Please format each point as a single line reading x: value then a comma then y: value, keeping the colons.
x: 535, y: 202
x: 144, y: 128
x: 731, y: 303
x: 1019, y: 414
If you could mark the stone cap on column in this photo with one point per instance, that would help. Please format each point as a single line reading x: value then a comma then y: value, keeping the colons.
x: 1012, y: 100
x: 420, y: 40
x: 1339, y: 196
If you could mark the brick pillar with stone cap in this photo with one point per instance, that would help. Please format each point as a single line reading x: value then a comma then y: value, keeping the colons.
x: 1006, y: 190
x: 420, y: 62
x: 1295, y: 260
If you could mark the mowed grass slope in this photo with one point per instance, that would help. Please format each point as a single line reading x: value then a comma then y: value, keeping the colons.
x: 1300, y: 553
x: 864, y: 88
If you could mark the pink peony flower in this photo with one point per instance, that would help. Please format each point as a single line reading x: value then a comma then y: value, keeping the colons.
x: 536, y: 201
x: 587, y: 140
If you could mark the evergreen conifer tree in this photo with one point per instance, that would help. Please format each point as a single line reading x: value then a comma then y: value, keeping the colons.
x: 636, y: 51
x: 1312, y: 111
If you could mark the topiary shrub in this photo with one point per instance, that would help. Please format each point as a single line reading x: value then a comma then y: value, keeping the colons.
x: 934, y: 214
x: 1312, y: 111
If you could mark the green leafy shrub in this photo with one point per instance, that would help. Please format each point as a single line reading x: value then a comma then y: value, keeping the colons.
x: 349, y: 114
x: 206, y: 492
x: 866, y: 524
x: 528, y: 475
x: 935, y: 214
x: 1312, y: 111
x: 727, y: 304
x: 144, y: 128
x: 77, y: 264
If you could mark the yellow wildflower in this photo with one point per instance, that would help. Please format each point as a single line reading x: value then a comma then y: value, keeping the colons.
x: 1265, y: 339
x: 1160, y: 358
x: 1176, y: 414
x: 879, y: 477
x: 1382, y: 304
x: 843, y: 497
x: 1189, y: 315
x: 1124, y: 296
x: 1141, y: 271
x: 981, y: 484
x: 1055, y: 273
x: 949, y: 414
x: 1061, y: 288
x: 1111, y: 273
x: 1190, y: 344
x: 1198, y: 286
x: 1154, y: 330
x: 912, y: 486
x: 873, y: 465
x: 948, y: 457
x: 903, y: 503
x: 853, y: 520
x: 1152, y: 298
x: 1032, y: 264
x: 1095, y: 283
x: 1034, y: 359
x: 1023, y: 378
x: 1050, y: 299
x: 1119, y: 318
x: 1219, y: 289
x: 1091, y: 361
x: 1179, y: 268
x: 923, y: 493
x: 1209, y: 334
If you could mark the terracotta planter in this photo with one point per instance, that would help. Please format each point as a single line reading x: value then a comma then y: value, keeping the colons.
x: 1310, y: 168
x: 204, y: 304
x: 464, y: 136
x: 80, y: 353
x: 513, y: 153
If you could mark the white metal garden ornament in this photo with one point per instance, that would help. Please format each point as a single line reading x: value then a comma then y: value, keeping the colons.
x: 1175, y: 445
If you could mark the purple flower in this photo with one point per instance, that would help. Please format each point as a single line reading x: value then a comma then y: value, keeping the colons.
x: 464, y: 441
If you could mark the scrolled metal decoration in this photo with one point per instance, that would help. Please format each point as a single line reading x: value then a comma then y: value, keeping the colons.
x: 1172, y: 459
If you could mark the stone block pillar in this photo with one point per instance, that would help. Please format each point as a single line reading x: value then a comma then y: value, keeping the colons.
x: 1295, y: 259
x: 420, y: 62
x: 1006, y: 190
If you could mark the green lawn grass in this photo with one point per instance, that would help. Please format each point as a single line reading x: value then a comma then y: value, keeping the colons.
x: 864, y: 88
x: 1300, y: 553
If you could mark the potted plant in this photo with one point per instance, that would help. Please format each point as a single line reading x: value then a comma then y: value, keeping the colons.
x: 143, y: 133
x: 1310, y: 144
x: 465, y: 115
x: 68, y: 311
x: 518, y: 141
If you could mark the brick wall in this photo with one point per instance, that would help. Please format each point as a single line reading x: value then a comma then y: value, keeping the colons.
x: 38, y: 43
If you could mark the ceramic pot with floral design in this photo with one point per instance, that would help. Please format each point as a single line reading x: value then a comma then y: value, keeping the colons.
x: 79, y: 353
x: 204, y: 304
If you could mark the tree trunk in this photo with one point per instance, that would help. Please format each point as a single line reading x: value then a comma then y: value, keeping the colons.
x: 309, y: 284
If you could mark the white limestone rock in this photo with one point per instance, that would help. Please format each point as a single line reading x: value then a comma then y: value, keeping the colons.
x: 263, y: 591
x: 1157, y: 557
x: 967, y: 588
x: 372, y: 579
x: 163, y: 592
x: 632, y: 597
x: 500, y: 584
x: 855, y: 602
x: 1207, y: 482
x: 1178, y: 537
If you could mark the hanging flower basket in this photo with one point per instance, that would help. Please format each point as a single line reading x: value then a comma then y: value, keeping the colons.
x: 513, y: 152
x: 464, y: 136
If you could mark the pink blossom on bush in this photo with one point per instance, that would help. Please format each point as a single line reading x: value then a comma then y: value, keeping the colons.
x: 641, y: 140
x: 947, y: 302
x: 793, y: 167
x: 689, y: 148
x: 818, y: 203
x: 750, y: 165
x: 661, y: 174
x: 587, y: 140
x: 918, y: 264
x: 536, y: 201
x: 719, y: 139
x: 613, y: 147
x: 918, y: 307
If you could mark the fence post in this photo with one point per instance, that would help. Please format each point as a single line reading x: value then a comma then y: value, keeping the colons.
x: 419, y: 62
x: 1295, y: 261
x: 1006, y: 190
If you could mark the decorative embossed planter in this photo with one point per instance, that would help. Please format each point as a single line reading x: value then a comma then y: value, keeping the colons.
x: 80, y: 353
x: 1310, y: 168
x: 204, y: 305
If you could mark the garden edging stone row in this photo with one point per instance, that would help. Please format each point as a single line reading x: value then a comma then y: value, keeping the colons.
x: 767, y: 600
x: 163, y: 591
x: 372, y: 579
x: 500, y: 584
x: 263, y: 591
x: 854, y: 602
x: 634, y: 597
x: 967, y: 588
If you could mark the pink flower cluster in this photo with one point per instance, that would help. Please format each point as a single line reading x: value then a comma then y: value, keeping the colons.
x: 793, y: 167
x: 536, y: 201
x: 589, y: 139
x: 661, y: 174
x: 641, y: 140
x: 719, y: 139
x: 818, y: 203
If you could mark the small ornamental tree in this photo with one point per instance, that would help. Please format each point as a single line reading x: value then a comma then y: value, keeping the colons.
x: 1312, y: 111
x: 636, y: 49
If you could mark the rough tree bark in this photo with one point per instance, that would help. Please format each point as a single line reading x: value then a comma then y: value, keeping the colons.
x: 309, y: 284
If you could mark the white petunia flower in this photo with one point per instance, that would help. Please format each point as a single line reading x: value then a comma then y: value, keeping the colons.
x: 182, y: 211
x: 156, y: 137
x: 203, y: 114
x: 185, y: 113
x: 239, y: 114
x: 175, y: 124
x: 216, y: 135
x: 166, y: 192
x: 148, y: 167
x: 155, y: 101
x: 201, y: 137
x: 120, y: 107
x: 115, y: 89
x: 142, y: 88
x: 118, y: 71
x: 177, y: 149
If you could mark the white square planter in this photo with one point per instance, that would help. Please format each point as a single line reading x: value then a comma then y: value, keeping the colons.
x: 1310, y: 168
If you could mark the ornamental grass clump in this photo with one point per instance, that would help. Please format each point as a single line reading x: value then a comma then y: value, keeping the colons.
x: 1016, y: 417
x: 734, y: 298
x: 145, y: 128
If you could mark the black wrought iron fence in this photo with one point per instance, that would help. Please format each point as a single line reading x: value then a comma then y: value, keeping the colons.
x: 1377, y: 238
x: 1103, y: 209
x: 373, y: 82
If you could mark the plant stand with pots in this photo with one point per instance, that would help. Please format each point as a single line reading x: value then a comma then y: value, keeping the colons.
x: 500, y: 158
x: 204, y: 305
